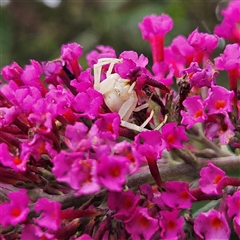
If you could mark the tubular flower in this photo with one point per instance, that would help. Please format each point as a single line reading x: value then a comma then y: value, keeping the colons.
x: 154, y: 28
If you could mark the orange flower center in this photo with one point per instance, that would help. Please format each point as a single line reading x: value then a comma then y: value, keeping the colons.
x: 16, y: 212
x: 216, y: 222
x: 184, y: 195
x: 115, y: 171
x: 17, y: 161
x: 170, y: 138
x: 220, y: 104
x: 198, y: 113
x: 217, y: 179
x: 171, y: 225
x: 110, y: 128
x: 127, y: 203
x: 143, y: 221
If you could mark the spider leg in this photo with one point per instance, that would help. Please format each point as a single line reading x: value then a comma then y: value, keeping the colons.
x: 97, y: 68
x: 127, y: 108
x: 162, y: 123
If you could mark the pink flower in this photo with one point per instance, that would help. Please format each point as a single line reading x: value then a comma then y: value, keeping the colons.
x: 198, y: 77
x: 26, y: 97
x: 8, y: 160
x: 219, y: 100
x: 70, y: 53
x: 42, y: 116
x: 228, y: 29
x: 211, y: 225
x: 124, y: 203
x: 229, y: 59
x: 83, y: 81
x: 181, y: 48
x: 163, y: 72
x: 31, y: 76
x: 76, y: 137
x: 34, y: 232
x: 177, y: 195
x: 153, y: 25
x: 141, y: 224
x: 15, y: 211
x: 83, y: 176
x: 101, y: 52
x: 194, y: 111
x: 154, y: 29
x: 108, y: 125
x: 87, y: 103
x: 49, y: 214
x: 36, y: 147
x: 112, y: 171
x: 135, y: 159
x: 219, y: 126
x: 210, y: 181
x: 173, y: 135
x: 12, y: 72
x: 203, y: 43
x: 171, y: 225
x: 149, y: 144
x: 233, y: 203
x: 8, y: 115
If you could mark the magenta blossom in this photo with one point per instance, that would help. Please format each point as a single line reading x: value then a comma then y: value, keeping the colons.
x: 233, y: 203
x: 171, y: 224
x: 15, y: 211
x: 101, y: 52
x: 212, y: 225
x: 50, y: 214
x: 177, y: 195
x: 154, y: 28
x: 198, y: 77
x: 141, y: 224
x: 229, y: 61
x: 124, y: 203
x: 83, y: 81
x: 31, y: 76
x: 203, y: 43
x: 9, y: 160
x: 87, y: 103
x: 228, y: 28
x: 211, y: 178
x: 13, y: 72
x: 83, y: 176
x: 219, y: 100
x: 194, y: 113
x: 219, y: 126
x: 173, y: 135
x: 70, y: 53
x: 76, y: 137
x: 181, y: 48
x: 112, y: 171
x: 149, y: 144
x: 34, y: 232
x: 135, y: 159
x: 108, y: 125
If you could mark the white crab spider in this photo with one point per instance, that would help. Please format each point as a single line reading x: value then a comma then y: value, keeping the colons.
x: 118, y: 94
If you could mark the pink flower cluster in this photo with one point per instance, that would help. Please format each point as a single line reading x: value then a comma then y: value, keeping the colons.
x: 108, y: 152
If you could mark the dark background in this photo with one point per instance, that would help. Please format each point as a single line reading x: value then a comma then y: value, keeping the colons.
x: 33, y: 30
